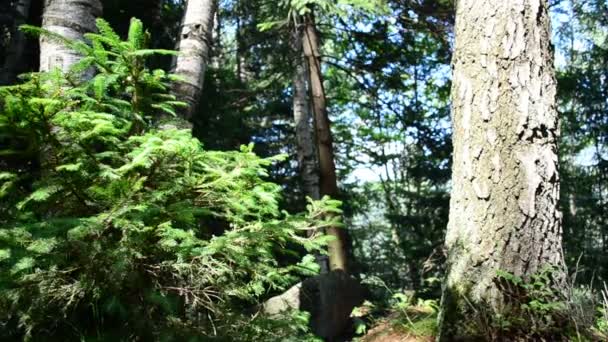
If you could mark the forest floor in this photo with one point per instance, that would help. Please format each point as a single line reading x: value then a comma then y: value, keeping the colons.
x: 387, y: 332
x: 414, y: 324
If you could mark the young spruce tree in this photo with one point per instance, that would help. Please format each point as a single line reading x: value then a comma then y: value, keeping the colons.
x: 134, y: 231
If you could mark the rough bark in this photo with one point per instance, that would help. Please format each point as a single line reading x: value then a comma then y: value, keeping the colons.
x: 328, y: 184
x: 71, y: 19
x: 194, y: 51
x: 14, y: 57
x: 504, y: 209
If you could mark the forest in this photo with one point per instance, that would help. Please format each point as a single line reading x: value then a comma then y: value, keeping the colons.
x: 304, y: 170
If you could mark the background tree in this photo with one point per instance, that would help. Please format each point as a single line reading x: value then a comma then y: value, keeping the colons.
x: 328, y: 183
x: 195, y: 48
x: 70, y: 19
x: 307, y: 156
x: 581, y: 39
x: 394, y: 141
x: 16, y: 42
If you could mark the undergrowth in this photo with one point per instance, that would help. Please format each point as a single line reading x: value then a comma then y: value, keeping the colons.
x: 115, y: 223
x: 539, y: 308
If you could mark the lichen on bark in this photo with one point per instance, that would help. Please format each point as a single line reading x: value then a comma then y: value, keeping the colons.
x: 70, y: 19
x: 504, y: 208
x: 194, y: 50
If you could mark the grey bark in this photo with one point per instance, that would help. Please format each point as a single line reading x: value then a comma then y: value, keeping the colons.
x: 16, y: 49
x: 328, y: 183
x: 71, y: 19
x: 504, y: 207
x: 216, y: 38
x: 307, y: 158
x: 305, y: 140
x: 194, y: 51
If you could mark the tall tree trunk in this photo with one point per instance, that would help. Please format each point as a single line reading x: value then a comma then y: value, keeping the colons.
x: 328, y: 184
x: 194, y: 48
x: 14, y: 58
x: 71, y: 19
x: 307, y: 156
x: 504, y: 209
x: 303, y: 124
x: 216, y: 39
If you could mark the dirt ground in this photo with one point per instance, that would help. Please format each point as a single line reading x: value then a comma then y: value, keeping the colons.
x: 384, y: 332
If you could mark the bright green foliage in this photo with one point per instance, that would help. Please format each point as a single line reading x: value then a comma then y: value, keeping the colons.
x: 122, y: 84
x: 538, y: 308
x: 115, y: 224
x: 417, y: 318
x: 340, y: 8
x: 536, y: 299
x: 305, y: 6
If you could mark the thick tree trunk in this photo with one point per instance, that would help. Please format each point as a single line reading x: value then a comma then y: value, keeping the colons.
x: 14, y: 57
x: 71, y: 19
x: 194, y: 48
x: 504, y: 208
x: 328, y: 184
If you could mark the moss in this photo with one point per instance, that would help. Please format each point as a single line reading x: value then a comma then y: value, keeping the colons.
x: 419, y: 320
x: 458, y: 320
x: 423, y: 327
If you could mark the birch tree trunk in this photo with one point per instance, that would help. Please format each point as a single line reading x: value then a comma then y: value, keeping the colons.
x: 328, y: 184
x: 15, y: 52
x: 504, y: 208
x: 71, y: 19
x: 307, y: 154
x: 194, y: 48
x: 303, y: 123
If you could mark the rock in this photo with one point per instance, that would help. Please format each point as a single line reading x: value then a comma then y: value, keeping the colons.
x: 288, y: 300
x: 329, y: 298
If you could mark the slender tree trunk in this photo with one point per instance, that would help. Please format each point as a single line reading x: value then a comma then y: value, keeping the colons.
x: 239, y: 64
x: 194, y: 48
x: 303, y: 123
x: 14, y: 58
x: 243, y: 74
x: 216, y: 56
x: 504, y: 209
x: 71, y: 19
x: 328, y: 184
x: 307, y: 156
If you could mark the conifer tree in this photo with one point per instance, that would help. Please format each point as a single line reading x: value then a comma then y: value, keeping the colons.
x: 121, y: 224
x: 504, y: 208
